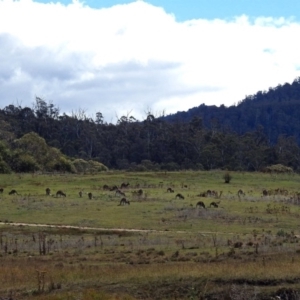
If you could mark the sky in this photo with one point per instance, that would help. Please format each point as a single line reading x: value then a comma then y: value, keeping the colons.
x: 131, y: 58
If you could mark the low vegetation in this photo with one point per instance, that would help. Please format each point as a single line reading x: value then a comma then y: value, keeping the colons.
x: 82, y: 244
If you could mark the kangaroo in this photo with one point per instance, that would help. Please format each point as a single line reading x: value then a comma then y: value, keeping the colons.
x: 179, y: 196
x: 119, y: 193
x: 1, y: 190
x: 48, y: 191
x: 80, y: 194
x: 170, y: 190
x: 240, y: 193
x: 200, y: 204
x: 60, y: 194
x: 124, y: 185
x: 124, y: 201
x: 214, y: 204
x: 105, y: 187
x: 113, y: 188
x: 203, y: 194
x: 90, y: 195
x: 13, y: 192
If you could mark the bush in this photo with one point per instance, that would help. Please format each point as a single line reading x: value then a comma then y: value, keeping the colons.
x: 90, y: 166
x: 24, y: 163
x: 80, y: 165
x: 278, y: 169
x: 227, y: 177
x: 4, y: 167
x: 171, y: 166
x: 61, y: 165
x: 95, y: 166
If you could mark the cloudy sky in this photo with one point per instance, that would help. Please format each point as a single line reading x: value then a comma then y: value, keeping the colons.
x: 132, y: 57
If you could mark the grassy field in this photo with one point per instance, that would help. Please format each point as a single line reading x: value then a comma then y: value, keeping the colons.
x: 159, y: 246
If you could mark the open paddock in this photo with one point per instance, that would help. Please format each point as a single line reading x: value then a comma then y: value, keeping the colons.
x: 158, y: 247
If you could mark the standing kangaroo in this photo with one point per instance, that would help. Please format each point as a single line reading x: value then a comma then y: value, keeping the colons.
x: 48, y: 191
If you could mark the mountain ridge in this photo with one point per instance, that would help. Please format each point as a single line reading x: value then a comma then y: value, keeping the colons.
x: 276, y: 110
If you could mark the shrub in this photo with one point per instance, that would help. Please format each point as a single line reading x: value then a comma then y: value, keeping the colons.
x: 96, y: 166
x: 80, y: 165
x: 62, y: 165
x: 90, y: 166
x: 279, y: 168
x: 4, y: 167
x: 227, y: 177
x: 171, y: 166
x: 22, y: 162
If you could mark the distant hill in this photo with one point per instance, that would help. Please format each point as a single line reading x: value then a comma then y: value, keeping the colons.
x: 277, y: 111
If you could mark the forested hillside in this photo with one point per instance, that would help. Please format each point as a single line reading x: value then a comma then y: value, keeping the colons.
x: 262, y: 130
x: 276, y: 110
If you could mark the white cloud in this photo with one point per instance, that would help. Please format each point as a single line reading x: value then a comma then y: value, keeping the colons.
x: 129, y: 58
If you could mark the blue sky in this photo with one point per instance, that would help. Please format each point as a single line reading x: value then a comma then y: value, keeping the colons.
x: 211, y: 9
x: 133, y: 57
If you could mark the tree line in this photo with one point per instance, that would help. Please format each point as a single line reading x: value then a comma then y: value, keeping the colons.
x: 276, y: 111
x: 42, y: 138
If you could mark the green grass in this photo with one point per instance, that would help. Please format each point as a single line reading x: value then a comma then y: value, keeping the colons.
x: 183, y: 243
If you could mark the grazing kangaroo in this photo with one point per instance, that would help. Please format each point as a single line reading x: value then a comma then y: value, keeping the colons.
x: 119, y: 193
x: 90, y: 195
x: 124, y: 201
x: 170, y: 190
x: 138, y: 193
x: 240, y: 193
x: 124, y: 185
x: 113, y: 188
x: 200, y: 204
x: 105, y: 187
x: 13, y: 192
x: 214, y: 204
x: 203, y: 194
x: 179, y: 196
x: 60, y: 194
x: 48, y: 191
